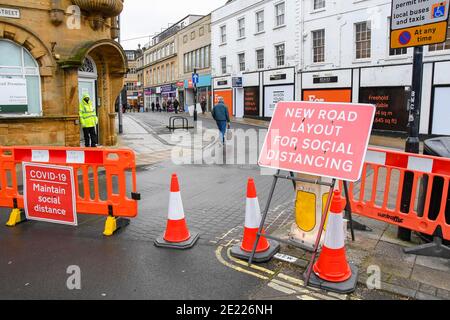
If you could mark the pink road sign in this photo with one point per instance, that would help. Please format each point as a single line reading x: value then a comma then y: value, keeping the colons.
x: 322, y: 139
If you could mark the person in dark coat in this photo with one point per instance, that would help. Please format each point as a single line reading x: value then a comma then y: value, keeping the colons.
x: 176, y: 105
x: 153, y: 106
x: 203, y: 105
x: 221, y: 115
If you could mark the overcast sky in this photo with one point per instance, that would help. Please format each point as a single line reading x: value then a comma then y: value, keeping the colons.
x: 141, y: 18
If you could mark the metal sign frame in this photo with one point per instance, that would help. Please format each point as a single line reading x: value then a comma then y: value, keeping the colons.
x: 291, y: 177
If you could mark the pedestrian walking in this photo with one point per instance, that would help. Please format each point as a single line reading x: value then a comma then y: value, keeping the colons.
x: 153, y: 106
x: 164, y: 105
x: 203, y: 105
x: 221, y: 115
x: 89, y: 121
x: 176, y: 105
x: 158, y: 106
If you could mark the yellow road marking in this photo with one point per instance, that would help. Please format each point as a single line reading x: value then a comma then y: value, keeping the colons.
x: 243, y: 263
x: 222, y: 260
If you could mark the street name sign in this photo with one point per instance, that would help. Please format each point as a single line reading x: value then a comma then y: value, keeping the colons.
x: 418, y: 22
x: 49, y: 193
x: 320, y: 139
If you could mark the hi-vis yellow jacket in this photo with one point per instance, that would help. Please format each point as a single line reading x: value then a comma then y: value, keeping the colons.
x: 88, y: 116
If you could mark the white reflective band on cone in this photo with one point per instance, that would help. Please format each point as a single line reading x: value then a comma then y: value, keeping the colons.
x: 420, y: 164
x: 176, y: 211
x: 376, y: 157
x: 334, y: 238
x: 252, y: 213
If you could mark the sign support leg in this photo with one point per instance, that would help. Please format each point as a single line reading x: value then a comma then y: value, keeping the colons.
x: 412, y: 142
x: 263, y: 219
x: 319, y: 236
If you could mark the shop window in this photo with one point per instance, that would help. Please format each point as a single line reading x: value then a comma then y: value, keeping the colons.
x: 363, y: 40
x: 279, y: 54
x: 260, y: 21
x: 19, y: 74
x: 260, y: 58
x: 279, y: 14
x: 319, y: 4
x: 241, y: 59
x: 318, y: 39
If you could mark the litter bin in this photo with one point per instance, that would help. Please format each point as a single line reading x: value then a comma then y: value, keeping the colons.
x: 438, y: 147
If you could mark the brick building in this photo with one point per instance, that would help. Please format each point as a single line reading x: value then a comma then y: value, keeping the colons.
x: 52, y: 52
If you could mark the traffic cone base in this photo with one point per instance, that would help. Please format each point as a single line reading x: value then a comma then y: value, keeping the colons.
x: 189, y: 243
x: 259, y: 257
x: 348, y: 286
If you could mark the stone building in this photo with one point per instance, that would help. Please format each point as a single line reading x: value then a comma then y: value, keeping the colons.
x: 160, y: 64
x: 194, y: 52
x: 131, y: 79
x: 52, y: 52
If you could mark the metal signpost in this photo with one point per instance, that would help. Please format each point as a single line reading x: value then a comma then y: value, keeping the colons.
x: 415, y: 24
x: 195, y: 80
x: 320, y: 139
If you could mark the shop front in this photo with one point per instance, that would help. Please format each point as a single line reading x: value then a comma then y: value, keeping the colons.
x: 168, y: 92
x: 391, y: 103
x: 327, y: 86
x: 279, y: 85
x: 203, y: 91
x: 222, y: 88
x: 252, y: 93
x: 151, y: 95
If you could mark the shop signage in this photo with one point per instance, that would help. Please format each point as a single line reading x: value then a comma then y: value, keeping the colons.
x: 168, y: 88
x: 321, y: 80
x: 320, y: 139
x: 277, y: 77
x: 236, y: 82
x: 328, y: 95
x: 391, y: 102
x: 13, y: 95
x: 10, y: 13
x: 417, y: 23
x: 275, y: 94
x: 49, y: 193
x: 222, y: 83
x: 251, y: 101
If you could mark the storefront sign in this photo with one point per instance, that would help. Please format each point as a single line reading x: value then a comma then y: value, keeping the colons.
x: 274, y: 95
x: 149, y: 91
x: 236, y: 82
x: 328, y: 95
x: 320, y: 139
x: 222, y: 83
x: 277, y: 77
x: 321, y: 80
x: 13, y: 95
x: 10, y: 13
x: 418, y: 23
x: 168, y: 88
x: 391, y: 103
x: 49, y: 193
x: 251, y: 101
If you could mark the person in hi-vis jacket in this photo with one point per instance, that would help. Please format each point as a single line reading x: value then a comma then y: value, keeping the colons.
x: 89, y: 121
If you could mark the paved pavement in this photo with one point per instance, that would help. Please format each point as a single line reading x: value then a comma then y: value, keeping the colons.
x: 35, y: 256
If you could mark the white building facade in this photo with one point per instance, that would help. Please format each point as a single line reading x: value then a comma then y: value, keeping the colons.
x: 257, y: 43
x: 338, y: 52
x: 347, y: 58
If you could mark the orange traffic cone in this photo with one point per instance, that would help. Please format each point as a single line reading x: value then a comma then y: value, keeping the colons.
x: 177, y: 235
x: 266, y: 249
x: 332, y: 271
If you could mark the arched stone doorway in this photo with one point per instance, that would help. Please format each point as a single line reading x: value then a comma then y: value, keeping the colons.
x: 106, y: 62
x: 87, y: 83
